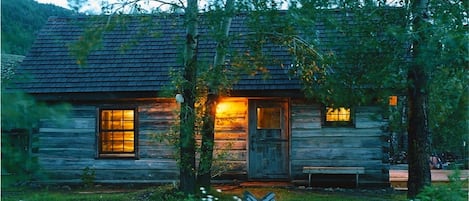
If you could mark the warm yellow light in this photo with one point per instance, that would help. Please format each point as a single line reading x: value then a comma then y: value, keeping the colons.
x: 339, y: 114
x: 231, y: 113
x: 392, y: 100
x: 117, y: 133
x: 223, y: 107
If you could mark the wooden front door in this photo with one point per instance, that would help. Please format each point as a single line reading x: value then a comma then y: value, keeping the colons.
x: 268, y: 139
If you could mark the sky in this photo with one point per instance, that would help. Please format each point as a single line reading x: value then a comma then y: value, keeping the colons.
x: 94, y: 6
x: 61, y: 3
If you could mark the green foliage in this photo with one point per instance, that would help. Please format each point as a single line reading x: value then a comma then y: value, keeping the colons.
x: 17, y: 165
x: 169, y: 193
x: 20, y: 117
x: 454, y: 191
x: 88, y: 177
x: 21, y: 20
x: 56, y: 195
x: 24, y: 112
x: 447, y: 56
x: 364, y: 62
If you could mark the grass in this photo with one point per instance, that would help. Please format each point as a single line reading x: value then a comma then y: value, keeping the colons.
x: 284, y: 194
x: 163, y: 193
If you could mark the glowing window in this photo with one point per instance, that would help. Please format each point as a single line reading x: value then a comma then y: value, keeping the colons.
x: 340, y: 114
x: 117, y: 133
x: 392, y: 100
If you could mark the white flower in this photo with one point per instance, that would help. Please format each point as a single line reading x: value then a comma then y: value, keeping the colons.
x: 202, y: 188
x: 219, y: 190
x: 204, y: 192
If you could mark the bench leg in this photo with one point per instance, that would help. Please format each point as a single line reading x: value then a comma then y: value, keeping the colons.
x: 309, y: 179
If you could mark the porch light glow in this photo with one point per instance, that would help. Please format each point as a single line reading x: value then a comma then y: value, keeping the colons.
x: 230, y: 113
x: 392, y: 100
x: 223, y: 107
x: 339, y: 114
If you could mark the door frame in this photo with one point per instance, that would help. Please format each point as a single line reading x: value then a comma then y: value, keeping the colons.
x: 287, y: 130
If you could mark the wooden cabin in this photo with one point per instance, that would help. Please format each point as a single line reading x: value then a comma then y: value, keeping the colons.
x: 268, y: 129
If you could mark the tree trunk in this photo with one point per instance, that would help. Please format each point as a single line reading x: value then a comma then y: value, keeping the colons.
x: 187, y: 114
x: 418, y: 129
x: 204, y: 175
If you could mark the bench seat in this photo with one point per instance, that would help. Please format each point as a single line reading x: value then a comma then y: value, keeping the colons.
x: 333, y: 170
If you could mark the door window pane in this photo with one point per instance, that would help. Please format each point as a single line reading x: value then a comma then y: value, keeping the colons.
x: 268, y: 118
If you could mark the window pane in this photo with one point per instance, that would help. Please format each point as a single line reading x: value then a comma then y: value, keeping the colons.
x: 339, y: 114
x: 106, y: 136
x: 128, y: 147
x: 128, y: 125
x: 117, y: 133
x: 106, y: 115
x: 129, y: 136
x: 106, y: 146
x: 268, y: 118
x: 129, y: 115
x: 117, y: 146
x: 116, y: 115
x: 118, y: 136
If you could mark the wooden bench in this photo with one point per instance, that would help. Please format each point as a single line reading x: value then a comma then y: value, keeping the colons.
x: 334, y: 170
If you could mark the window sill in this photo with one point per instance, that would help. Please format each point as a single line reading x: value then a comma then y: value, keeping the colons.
x: 117, y: 156
x: 339, y: 124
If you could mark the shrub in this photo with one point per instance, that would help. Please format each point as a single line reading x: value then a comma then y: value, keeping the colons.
x: 453, y: 191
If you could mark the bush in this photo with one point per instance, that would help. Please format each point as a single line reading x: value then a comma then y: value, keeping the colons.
x: 453, y: 191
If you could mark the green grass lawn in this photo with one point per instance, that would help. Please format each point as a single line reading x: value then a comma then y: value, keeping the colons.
x: 167, y: 193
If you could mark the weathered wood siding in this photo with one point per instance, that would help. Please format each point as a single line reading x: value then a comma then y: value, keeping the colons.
x: 315, y: 145
x: 231, y: 131
x: 65, y: 149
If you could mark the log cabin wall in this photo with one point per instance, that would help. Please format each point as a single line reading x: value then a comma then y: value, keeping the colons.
x: 363, y: 145
x: 65, y: 149
x: 231, y: 131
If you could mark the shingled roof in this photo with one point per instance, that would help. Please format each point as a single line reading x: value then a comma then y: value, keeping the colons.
x: 134, y: 61
x: 143, y: 67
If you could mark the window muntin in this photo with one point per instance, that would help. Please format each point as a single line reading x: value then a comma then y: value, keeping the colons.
x: 117, y: 133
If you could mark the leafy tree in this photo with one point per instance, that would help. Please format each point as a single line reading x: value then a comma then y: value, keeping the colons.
x: 429, y: 65
x: 438, y: 38
x: 381, y: 49
x: 200, y: 85
x: 21, y: 20
x: 20, y: 115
